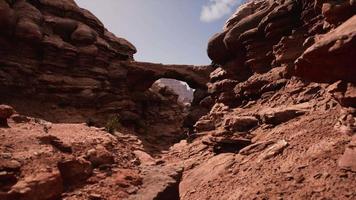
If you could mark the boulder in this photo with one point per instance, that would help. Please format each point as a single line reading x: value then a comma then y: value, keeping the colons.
x: 56, y: 143
x: 42, y: 186
x: 144, y: 158
x: 240, y: 124
x: 204, y: 125
x: 337, y: 11
x: 5, y: 113
x: 75, y: 170
x: 255, y: 147
x: 225, y: 85
x: 10, y: 165
x: 217, y: 50
x: 344, y: 93
x: 159, y: 183
x: 348, y: 160
x: 100, y: 156
x: 331, y: 58
x: 126, y: 177
x: 273, y: 150
x: 83, y: 35
x: 275, y: 116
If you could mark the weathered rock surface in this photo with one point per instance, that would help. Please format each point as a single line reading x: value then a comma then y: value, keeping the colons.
x: 282, y: 108
x: 38, y: 186
x: 265, y: 34
x: 69, y: 62
x: 339, y: 45
x: 5, y: 113
x: 258, y: 128
x: 159, y: 183
x: 33, y: 168
x: 348, y: 160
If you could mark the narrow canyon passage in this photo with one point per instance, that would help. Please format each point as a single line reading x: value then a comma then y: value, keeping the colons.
x: 273, y: 116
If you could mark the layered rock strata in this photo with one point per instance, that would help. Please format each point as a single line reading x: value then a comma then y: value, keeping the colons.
x: 69, y: 68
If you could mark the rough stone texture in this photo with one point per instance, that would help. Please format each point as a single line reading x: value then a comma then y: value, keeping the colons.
x: 29, y: 168
x: 100, y: 156
x: 275, y: 33
x: 338, y: 44
x: 348, y: 159
x: 75, y: 170
x: 262, y: 129
x: 70, y: 62
x: 282, y: 109
x: 39, y: 186
x: 5, y: 113
x: 159, y: 183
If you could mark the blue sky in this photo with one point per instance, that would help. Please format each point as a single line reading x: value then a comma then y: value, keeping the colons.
x: 165, y: 31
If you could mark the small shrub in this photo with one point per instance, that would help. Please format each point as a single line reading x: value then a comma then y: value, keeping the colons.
x: 113, y: 124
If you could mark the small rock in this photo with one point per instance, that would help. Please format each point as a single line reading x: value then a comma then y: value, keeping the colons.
x: 204, y: 125
x: 257, y: 147
x: 75, y: 170
x: 100, y: 156
x: 6, y: 155
x: 159, y: 183
x: 95, y: 197
x: 48, y: 185
x: 273, y: 150
x: 144, y: 158
x: 20, y: 118
x: 277, y: 116
x: 10, y: 165
x: 56, y: 142
x: 5, y: 112
x: 347, y: 122
x: 240, y: 123
x: 127, y: 177
x: 348, y: 160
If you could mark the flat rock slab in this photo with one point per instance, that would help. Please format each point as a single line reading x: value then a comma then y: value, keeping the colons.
x: 159, y: 183
x: 348, y: 160
x: 280, y: 115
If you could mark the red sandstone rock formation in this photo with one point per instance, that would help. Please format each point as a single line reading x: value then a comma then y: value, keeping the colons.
x: 275, y: 119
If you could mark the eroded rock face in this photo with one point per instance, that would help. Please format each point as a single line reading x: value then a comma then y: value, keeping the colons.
x: 266, y: 34
x: 57, y: 52
x: 338, y: 45
x: 282, y: 104
x: 66, y: 64
x: 258, y: 119
x: 5, y: 113
x: 38, y: 186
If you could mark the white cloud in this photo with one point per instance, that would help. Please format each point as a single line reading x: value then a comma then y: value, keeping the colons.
x: 217, y: 9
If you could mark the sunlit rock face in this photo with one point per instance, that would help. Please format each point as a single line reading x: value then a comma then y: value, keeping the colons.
x: 59, y: 54
x: 65, y: 63
x: 181, y: 88
x: 281, y: 99
x: 265, y: 34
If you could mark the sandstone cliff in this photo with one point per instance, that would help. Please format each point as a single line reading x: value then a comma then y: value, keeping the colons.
x: 274, y: 117
x: 282, y: 98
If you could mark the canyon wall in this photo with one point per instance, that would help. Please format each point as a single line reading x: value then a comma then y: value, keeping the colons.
x: 69, y: 68
x: 282, y: 102
x: 274, y: 116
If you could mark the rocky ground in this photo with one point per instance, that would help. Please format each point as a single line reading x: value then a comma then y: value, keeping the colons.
x: 274, y: 116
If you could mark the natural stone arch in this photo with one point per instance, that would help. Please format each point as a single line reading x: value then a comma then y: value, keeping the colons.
x: 142, y: 75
